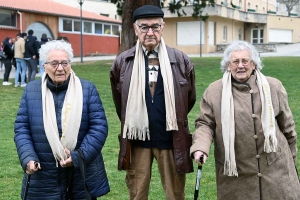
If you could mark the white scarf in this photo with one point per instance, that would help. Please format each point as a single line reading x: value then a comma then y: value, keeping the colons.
x: 136, y: 124
x: 228, y: 124
x: 70, y: 119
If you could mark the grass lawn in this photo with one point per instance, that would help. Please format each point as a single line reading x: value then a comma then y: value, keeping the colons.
x: 286, y: 69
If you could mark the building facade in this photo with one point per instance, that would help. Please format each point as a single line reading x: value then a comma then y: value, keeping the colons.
x: 100, y: 34
x: 262, y: 22
x: 100, y: 7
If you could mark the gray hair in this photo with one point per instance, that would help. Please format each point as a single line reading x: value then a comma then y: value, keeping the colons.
x: 55, y: 45
x: 240, y: 45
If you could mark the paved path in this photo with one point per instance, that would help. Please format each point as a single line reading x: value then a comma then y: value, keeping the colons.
x: 282, y: 50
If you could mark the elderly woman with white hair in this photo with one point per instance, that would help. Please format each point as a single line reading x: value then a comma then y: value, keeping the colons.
x: 60, y: 131
x: 247, y: 116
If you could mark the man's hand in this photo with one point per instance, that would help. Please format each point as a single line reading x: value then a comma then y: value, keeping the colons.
x: 33, y: 57
x: 197, y: 155
x: 68, y: 162
x: 32, y: 167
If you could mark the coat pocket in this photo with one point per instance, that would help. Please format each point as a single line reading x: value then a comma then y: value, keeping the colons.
x: 272, y: 157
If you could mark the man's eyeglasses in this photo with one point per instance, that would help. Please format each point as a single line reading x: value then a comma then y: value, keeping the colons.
x: 245, y: 62
x: 55, y: 63
x: 154, y: 28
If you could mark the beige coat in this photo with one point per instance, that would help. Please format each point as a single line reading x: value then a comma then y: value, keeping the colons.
x: 261, y: 176
x: 19, y: 48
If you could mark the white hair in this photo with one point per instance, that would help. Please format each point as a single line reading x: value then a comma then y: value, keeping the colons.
x: 55, y: 45
x: 240, y: 45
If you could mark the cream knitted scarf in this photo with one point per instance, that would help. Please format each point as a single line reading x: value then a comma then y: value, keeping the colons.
x: 70, y: 119
x: 228, y: 124
x: 136, y: 124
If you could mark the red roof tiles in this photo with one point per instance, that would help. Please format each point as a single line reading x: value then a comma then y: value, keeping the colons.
x: 51, y: 8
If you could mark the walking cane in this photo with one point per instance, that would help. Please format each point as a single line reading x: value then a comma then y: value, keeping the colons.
x: 28, y: 181
x: 198, y: 178
x: 26, y: 186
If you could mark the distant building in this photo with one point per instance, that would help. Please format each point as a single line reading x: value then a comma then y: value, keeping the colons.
x: 100, y: 7
x: 100, y: 33
x: 255, y: 21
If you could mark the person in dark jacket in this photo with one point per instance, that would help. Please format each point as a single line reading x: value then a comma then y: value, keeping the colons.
x: 52, y: 127
x: 153, y: 89
x: 30, y: 55
x: 8, y: 51
x: 43, y: 41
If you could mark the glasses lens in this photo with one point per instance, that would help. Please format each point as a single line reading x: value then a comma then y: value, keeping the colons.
x: 64, y: 63
x: 144, y: 29
x: 155, y: 28
x: 245, y: 61
x: 54, y: 63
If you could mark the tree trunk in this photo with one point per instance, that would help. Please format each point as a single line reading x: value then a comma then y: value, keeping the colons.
x: 128, y: 37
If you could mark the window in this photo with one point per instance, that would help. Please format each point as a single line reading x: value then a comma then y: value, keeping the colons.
x: 67, y: 25
x: 98, y: 28
x: 107, y: 29
x: 87, y: 27
x: 115, y: 30
x: 257, y: 36
x: 8, y: 18
x: 225, y: 33
x: 77, y: 26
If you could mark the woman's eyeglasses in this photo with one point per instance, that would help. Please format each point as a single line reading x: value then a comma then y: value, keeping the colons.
x: 55, y: 63
x: 244, y: 62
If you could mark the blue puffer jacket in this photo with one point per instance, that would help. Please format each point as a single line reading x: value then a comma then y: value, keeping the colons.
x: 50, y: 182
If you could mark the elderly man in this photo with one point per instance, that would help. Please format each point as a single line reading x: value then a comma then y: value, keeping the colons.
x: 153, y: 88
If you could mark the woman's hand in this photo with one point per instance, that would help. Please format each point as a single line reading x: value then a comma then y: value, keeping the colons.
x: 197, y: 155
x: 32, y: 167
x: 68, y: 162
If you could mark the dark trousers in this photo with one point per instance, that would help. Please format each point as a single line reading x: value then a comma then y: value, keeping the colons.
x: 7, y: 66
x: 32, y: 69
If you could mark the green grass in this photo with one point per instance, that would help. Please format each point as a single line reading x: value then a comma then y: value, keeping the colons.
x: 207, y: 70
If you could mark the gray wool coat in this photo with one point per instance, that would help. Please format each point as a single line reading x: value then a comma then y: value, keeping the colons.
x: 261, y: 176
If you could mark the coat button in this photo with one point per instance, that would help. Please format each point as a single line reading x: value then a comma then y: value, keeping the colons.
x: 253, y: 116
x: 251, y: 91
x: 257, y: 156
x: 259, y: 175
x: 255, y: 137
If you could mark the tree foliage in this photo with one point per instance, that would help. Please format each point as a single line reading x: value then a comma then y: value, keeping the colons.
x: 289, y: 5
x: 125, y: 8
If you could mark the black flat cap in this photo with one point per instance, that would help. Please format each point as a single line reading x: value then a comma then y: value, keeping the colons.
x: 147, y: 11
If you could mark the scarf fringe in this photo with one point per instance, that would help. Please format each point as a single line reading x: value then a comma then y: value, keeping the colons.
x: 230, y: 169
x: 270, y: 144
x: 134, y: 133
x: 171, y: 124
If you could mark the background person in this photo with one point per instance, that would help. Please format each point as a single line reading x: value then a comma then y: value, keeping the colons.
x: 8, y: 51
x: 44, y: 39
x: 20, y: 62
x: 31, y: 55
x: 247, y: 116
x: 159, y: 82
x: 51, y: 126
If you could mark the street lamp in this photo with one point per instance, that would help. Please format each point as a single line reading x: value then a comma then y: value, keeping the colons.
x: 80, y: 3
x: 201, y: 10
